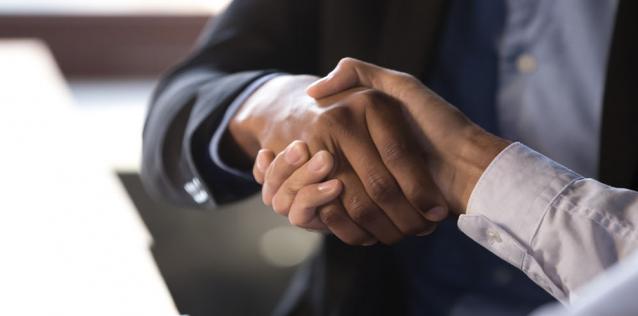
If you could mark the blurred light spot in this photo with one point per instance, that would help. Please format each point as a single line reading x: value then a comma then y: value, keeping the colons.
x: 526, y: 63
x: 287, y: 246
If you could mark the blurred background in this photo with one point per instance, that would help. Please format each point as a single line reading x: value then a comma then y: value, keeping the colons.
x: 78, y: 234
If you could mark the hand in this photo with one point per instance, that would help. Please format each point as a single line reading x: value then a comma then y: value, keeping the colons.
x: 302, y: 192
x: 386, y: 185
x: 458, y: 150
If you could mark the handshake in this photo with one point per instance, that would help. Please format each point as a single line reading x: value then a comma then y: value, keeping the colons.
x: 367, y: 153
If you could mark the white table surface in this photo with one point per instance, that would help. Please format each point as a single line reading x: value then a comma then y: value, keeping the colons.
x: 71, y: 242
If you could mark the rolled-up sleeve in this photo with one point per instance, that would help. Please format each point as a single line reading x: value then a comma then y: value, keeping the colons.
x: 557, y: 227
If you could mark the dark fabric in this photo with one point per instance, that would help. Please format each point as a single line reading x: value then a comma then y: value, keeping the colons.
x: 251, y: 39
x: 254, y: 37
x: 345, y: 280
x: 619, y: 139
x: 464, y: 72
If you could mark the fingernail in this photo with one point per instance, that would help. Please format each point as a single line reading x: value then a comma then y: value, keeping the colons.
x: 293, y: 154
x: 266, y: 194
x: 436, y: 214
x: 370, y: 243
x: 326, y: 186
x: 428, y: 231
x: 317, y: 162
x: 261, y: 161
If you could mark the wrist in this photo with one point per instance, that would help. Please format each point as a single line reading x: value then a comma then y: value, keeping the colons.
x: 241, y: 136
x: 470, y: 155
x: 272, y: 103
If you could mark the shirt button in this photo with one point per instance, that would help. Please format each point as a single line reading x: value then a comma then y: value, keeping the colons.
x: 493, y: 236
x: 526, y: 63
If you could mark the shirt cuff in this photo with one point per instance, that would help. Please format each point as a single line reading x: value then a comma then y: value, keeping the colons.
x: 509, y: 202
x: 223, y: 127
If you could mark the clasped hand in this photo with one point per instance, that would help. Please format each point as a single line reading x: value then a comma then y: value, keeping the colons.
x: 364, y: 158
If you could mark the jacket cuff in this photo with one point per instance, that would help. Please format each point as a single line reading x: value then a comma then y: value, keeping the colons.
x: 221, y: 130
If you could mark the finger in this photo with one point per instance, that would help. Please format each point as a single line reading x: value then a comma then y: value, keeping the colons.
x: 364, y: 211
x: 262, y: 161
x: 334, y: 216
x: 313, y: 171
x: 379, y: 184
x: 408, y: 90
x: 402, y: 156
x: 284, y: 164
x: 350, y: 73
x: 303, y: 211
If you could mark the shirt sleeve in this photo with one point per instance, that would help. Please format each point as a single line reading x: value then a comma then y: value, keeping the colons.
x: 611, y: 293
x: 223, y: 127
x: 557, y: 227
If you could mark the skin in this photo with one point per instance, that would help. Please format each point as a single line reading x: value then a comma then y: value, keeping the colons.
x: 383, y: 188
x: 457, y: 150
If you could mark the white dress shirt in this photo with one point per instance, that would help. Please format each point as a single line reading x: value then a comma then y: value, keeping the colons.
x: 559, y: 228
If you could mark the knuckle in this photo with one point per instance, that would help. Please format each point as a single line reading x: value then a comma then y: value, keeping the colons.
x: 394, y: 151
x: 289, y: 189
x: 362, y: 212
x: 415, y: 192
x: 381, y: 188
x: 280, y: 205
x: 274, y: 174
x: 330, y: 215
x: 347, y: 61
x: 364, y: 217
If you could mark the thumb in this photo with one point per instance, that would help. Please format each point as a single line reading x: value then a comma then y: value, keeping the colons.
x: 351, y: 73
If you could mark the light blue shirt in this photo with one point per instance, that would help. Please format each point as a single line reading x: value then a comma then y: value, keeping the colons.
x: 552, y: 69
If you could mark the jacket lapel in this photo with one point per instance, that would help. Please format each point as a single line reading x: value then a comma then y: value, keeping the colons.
x: 410, y: 34
x: 618, y: 164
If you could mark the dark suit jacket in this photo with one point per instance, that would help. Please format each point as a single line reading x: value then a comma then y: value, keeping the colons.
x: 255, y: 37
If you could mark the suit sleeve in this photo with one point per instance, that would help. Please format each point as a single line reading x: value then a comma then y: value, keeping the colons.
x: 252, y: 39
